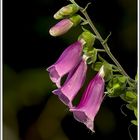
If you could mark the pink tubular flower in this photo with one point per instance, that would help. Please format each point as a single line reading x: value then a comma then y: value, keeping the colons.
x: 61, y: 27
x: 66, y: 62
x: 90, y: 102
x: 73, y: 84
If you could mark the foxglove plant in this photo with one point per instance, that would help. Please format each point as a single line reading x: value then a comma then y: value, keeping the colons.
x: 73, y: 61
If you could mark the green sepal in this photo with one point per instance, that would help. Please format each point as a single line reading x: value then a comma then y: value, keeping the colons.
x: 92, y: 56
x: 108, y: 68
x: 108, y: 71
x: 97, y: 66
x: 89, y: 38
x: 129, y: 96
x: 76, y: 19
x: 116, y: 86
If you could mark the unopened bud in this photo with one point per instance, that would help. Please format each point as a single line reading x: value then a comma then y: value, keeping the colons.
x: 88, y: 37
x: 66, y: 11
x: 61, y: 27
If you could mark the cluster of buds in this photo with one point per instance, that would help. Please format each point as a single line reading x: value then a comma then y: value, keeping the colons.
x: 68, y: 17
x: 73, y: 63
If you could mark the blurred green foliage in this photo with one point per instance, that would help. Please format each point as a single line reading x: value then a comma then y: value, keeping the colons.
x: 28, y: 88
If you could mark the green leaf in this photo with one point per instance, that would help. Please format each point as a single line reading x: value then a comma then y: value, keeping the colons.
x: 134, y: 122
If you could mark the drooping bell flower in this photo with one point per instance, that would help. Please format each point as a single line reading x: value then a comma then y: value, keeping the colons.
x: 66, y: 62
x: 90, y: 102
x: 65, y: 25
x: 73, y: 83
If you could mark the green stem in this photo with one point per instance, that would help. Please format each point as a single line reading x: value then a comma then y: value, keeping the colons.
x: 100, y: 50
x: 104, y: 43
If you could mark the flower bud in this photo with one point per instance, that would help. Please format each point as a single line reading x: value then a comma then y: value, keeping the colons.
x: 66, y: 11
x: 61, y: 27
x: 88, y: 37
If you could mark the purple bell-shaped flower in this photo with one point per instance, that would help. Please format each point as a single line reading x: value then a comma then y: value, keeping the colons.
x: 68, y: 60
x: 91, y: 101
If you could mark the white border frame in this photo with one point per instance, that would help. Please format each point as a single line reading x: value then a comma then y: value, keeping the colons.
x: 1, y: 68
x: 138, y: 66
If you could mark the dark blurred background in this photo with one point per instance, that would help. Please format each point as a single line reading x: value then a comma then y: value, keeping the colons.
x: 31, y: 112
